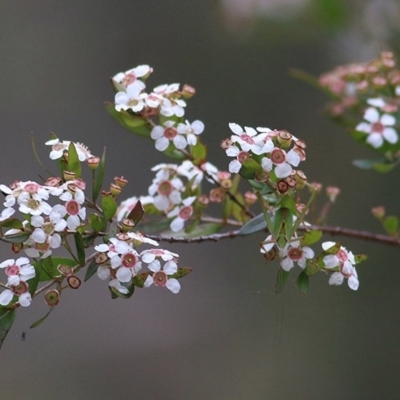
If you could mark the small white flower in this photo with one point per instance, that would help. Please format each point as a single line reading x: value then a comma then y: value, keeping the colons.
x: 18, y: 270
x: 133, y: 99
x: 378, y: 127
x: 181, y: 213
x: 128, y: 77
x: 59, y: 147
x: 292, y: 253
x: 163, y: 135
x: 282, y: 161
x: 148, y: 256
x: 161, y: 277
x: 191, y: 130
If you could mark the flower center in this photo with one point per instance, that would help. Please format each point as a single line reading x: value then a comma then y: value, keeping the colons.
x: 129, y: 260
x: 246, y: 138
x: 170, y: 133
x: 33, y: 204
x: 72, y: 207
x: 186, y: 212
x: 12, y: 270
x: 160, y: 278
x: 31, y: 188
x: 22, y: 287
x: 378, y: 127
x: 278, y: 156
x: 164, y: 188
x: 48, y: 228
x: 295, y: 253
x: 342, y: 255
x: 128, y: 79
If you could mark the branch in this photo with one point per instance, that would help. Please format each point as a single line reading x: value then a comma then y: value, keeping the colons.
x: 332, y: 230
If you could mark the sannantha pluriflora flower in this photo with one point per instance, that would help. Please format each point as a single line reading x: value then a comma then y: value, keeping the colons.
x: 294, y: 252
x: 161, y: 275
x: 345, y: 262
x: 72, y: 209
x: 128, y: 77
x: 379, y: 125
x: 191, y: 130
x: 169, y: 100
x: 250, y: 140
x: 181, y: 214
x: 196, y: 173
x: 59, y: 147
x: 19, y: 271
x: 122, y: 263
x: 280, y: 162
x: 166, y: 134
x: 132, y: 99
x: 166, y: 187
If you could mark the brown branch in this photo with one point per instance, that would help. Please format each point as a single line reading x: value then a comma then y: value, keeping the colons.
x: 332, y: 230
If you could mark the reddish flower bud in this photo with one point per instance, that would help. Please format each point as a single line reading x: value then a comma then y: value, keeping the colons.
x: 73, y: 282
x: 93, y: 162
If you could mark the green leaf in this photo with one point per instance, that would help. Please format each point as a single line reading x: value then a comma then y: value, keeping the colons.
x: 132, y: 123
x: 12, y: 223
x: 6, y: 321
x: 99, y: 177
x: 80, y: 251
x: 312, y: 267
x: 249, y: 169
x: 181, y: 272
x: 256, y: 224
x: 303, y: 282
x: 311, y: 237
x: 109, y: 206
x: 137, y: 213
x: 359, y: 258
x: 281, y: 279
x: 128, y: 285
x: 384, y: 168
x: 198, y: 152
x: 16, y: 238
x: 33, y: 283
x: 139, y: 279
x: 74, y: 164
x: 39, y: 321
x: 205, y: 229
x: 391, y: 224
x: 90, y: 270
x: 98, y: 224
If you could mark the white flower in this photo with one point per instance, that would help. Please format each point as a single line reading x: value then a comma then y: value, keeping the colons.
x: 292, y: 253
x: 148, y: 256
x: 128, y: 77
x: 163, y: 135
x: 7, y: 295
x: 18, y: 270
x: 283, y: 162
x: 241, y: 156
x: 191, y: 130
x: 345, y: 261
x: 132, y: 99
x: 72, y: 208
x: 378, y: 127
x: 59, y: 147
x: 250, y: 140
x: 181, y: 213
x: 161, y: 277
x: 267, y: 245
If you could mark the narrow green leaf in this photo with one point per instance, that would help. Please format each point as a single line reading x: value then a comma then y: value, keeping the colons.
x: 128, y: 285
x: 12, y: 223
x: 33, y: 283
x: 383, y: 168
x: 98, y: 224
x: 303, y: 282
x: 281, y: 279
x: 139, y: 279
x: 49, y: 266
x: 90, y: 270
x: 74, y: 164
x: 256, y: 224
x: 249, y: 169
x: 16, y: 238
x: 391, y: 224
x: 80, y: 250
x: 130, y: 122
x: 98, y: 184
x: 109, y: 206
x: 359, y: 258
x: 181, y: 272
x: 311, y: 237
x: 6, y: 322
x: 39, y: 321
x: 198, y: 152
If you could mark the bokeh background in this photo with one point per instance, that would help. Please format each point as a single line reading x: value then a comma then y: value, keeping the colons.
x: 227, y: 335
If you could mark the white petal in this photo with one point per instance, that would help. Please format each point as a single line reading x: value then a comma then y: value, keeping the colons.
x: 353, y: 283
x: 176, y: 225
x: 293, y: 158
x: 235, y: 128
x: 162, y: 144
x: 388, y: 120
x: 25, y: 299
x: 327, y: 245
x: 336, y: 279
x: 390, y: 135
x: 149, y: 281
x: 377, y: 102
x: 124, y: 274
x: 173, y: 285
x: 103, y: 273
x: 371, y: 115
x: 283, y: 170
x: 170, y: 267
x: 6, y: 297
x: 375, y: 140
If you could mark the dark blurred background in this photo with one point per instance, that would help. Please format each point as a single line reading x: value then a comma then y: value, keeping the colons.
x: 226, y: 335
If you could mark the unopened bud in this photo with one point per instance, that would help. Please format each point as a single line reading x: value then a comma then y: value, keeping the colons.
x: 284, y: 139
x: 126, y: 225
x: 101, y: 258
x: 332, y: 192
x: 65, y: 270
x: 188, y: 91
x: 378, y: 212
x: 226, y: 143
x: 250, y: 198
x: 226, y: 183
x: 203, y: 200
x: 54, y: 181
x: 217, y: 195
x: 316, y: 186
x: 282, y: 186
x: 301, y: 179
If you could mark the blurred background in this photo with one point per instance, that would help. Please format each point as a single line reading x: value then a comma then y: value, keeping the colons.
x: 226, y: 335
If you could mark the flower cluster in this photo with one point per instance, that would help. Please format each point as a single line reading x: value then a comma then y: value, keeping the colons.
x: 167, y: 101
x: 120, y: 263
x: 275, y: 152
